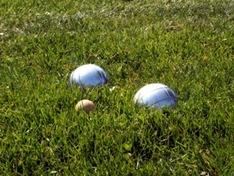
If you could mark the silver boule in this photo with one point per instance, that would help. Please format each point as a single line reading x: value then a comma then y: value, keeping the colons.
x: 89, y: 75
x: 156, y: 95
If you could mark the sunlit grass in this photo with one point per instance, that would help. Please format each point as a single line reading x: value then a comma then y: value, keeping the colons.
x: 187, y: 45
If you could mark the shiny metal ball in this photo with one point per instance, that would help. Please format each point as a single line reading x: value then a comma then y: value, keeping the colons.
x: 89, y: 75
x: 156, y: 95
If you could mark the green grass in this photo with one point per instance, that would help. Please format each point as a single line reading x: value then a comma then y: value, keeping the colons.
x: 187, y: 45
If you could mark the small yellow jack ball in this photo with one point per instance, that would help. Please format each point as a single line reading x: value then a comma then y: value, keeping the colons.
x: 87, y: 105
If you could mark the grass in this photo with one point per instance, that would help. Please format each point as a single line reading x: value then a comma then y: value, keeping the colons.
x: 187, y: 45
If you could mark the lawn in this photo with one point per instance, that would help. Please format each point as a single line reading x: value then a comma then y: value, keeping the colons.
x: 187, y: 45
